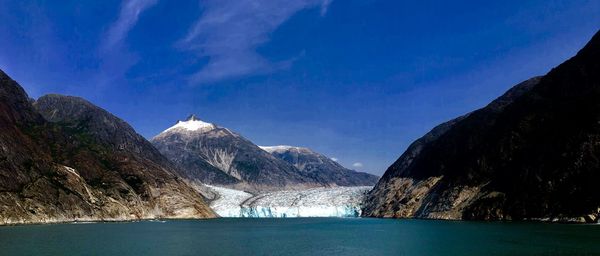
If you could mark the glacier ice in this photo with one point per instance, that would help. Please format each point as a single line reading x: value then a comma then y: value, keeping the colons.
x: 228, y: 201
x: 314, y: 202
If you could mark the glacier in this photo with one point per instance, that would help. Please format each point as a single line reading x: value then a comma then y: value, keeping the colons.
x: 313, y: 202
x: 228, y: 201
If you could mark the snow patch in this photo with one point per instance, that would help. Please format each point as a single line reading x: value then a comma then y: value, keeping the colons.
x: 279, y: 149
x: 71, y: 170
x: 192, y: 125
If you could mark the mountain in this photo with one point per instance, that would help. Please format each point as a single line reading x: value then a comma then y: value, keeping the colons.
x: 320, y: 167
x: 531, y: 154
x: 64, y: 159
x: 215, y: 155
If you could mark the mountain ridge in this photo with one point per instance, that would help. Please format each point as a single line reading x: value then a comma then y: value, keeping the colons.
x: 219, y: 156
x: 239, y: 163
x: 530, y: 154
x: 70, y: 168
x: 320, y: 166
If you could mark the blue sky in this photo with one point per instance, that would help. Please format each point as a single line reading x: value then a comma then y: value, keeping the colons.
x: 357, y: 80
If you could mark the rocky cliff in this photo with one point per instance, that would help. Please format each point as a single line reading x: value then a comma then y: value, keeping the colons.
x: 531, y: 154
x: 68, y: 160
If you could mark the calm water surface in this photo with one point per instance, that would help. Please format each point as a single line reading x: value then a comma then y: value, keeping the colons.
x: 304, y: 236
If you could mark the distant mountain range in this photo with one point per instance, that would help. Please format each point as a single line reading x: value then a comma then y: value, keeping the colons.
x: 320, y: 167
x: 533, y: 153
x: 64, y: 159
x: 215, y: 155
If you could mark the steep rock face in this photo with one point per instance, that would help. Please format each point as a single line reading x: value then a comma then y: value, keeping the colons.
x: 103, y: 127
x: 531, y: 154
x: 23, y: 164
x: 215, y: 155
x: 75, y: 168
x: 320, y: 167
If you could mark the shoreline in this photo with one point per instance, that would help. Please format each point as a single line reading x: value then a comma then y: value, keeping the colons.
x: 81, y: 221
x: 544, y: 221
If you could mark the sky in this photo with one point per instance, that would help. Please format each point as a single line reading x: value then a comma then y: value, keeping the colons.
x: 356, y: 80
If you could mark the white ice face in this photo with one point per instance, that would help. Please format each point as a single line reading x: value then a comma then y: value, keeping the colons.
x: 316, y: 202
x: 228, y: 201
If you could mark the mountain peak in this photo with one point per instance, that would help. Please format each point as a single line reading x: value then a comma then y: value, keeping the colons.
x: 193, y: 117
x: 192, y: 123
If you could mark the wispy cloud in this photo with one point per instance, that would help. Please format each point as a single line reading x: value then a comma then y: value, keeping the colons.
x: 229, y: 31
x: 114, y: 56
x: 357, y: 165
x: 128, y: 16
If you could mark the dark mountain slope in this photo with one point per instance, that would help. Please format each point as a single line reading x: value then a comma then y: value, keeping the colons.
x: 533, y: 153
x: 320, y: 167
x: 84, y: 165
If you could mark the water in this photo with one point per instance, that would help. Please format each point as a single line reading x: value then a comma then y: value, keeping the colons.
x: 302, y: 236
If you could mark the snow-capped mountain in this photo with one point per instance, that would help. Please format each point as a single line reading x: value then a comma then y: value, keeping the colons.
x: 320, y: 167
x: 193, y: 124
x: 215, y: 155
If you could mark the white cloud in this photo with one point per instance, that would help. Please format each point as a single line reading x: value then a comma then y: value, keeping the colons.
x: 116, y: 59
x: 357, y: 165
x: 229, y: 31
x: 128, y: 17
x: 324, y: 6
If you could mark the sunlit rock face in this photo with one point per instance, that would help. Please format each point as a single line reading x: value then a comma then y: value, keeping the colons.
x: 64, y: 159
x: 316, y: 202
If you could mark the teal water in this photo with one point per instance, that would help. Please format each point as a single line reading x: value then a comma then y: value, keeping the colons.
x: 303, y: 236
